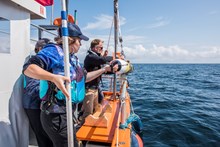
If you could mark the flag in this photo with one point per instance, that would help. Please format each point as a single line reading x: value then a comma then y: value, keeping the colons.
x: 45, y: 2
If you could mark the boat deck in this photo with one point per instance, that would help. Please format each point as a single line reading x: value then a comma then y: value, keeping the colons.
x: 110, y: 132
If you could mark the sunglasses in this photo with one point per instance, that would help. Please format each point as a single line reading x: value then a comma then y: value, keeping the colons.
x: 99, y: 47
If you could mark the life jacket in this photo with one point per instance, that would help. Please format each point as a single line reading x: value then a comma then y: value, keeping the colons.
x: 50, y: 93
x: 30, y: 98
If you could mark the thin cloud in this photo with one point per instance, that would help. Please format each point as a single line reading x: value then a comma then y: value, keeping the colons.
x: 213, y: 12
x: 213, y: 52
x: 138, y: 53
x: 103, y: 22
x: 171, y: 54
x: 129, y: 40
x: 160, y: 22
x: 133, y: 38
x: 159, y: 18
x: 134, y: 29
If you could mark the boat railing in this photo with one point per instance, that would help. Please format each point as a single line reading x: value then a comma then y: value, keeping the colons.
x: 3, y: 32
x: 107, y: 82
x: 38, y: 32
x: 5, y: 39
x: 43, y: 31
x: 46, y: 28
x: 121, y: 85
x: 123, y: 104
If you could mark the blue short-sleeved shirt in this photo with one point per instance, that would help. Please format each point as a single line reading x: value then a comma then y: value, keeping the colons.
x: 53, y: 57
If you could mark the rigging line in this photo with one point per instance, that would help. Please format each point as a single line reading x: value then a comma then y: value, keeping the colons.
x: 119, y: 116
x: 110, y: 34
x: 120, y: 35
x: 132, y: 109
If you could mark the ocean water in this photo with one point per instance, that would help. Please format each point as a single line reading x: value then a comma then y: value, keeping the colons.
x: 179, y: 104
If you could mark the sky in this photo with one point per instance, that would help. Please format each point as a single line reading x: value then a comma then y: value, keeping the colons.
x: 153, y: 31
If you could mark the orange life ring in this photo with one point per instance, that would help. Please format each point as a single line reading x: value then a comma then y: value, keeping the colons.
x: 58, y: 21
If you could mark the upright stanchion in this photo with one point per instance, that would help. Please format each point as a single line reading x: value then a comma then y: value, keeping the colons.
x: 116, y: 41
x: 51, y: 19
x: 67, y: 73
x: 75, y: 19
x: 123, y: 103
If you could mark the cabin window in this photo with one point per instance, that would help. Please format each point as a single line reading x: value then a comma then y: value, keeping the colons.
x: 4, y: 35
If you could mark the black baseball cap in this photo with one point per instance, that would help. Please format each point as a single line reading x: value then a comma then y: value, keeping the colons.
x: 74, y: 31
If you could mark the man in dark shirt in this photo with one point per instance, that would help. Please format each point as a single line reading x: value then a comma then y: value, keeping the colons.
x: 93, y: 61
x: 31, y: 103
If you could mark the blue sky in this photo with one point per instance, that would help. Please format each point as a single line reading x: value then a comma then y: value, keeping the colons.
x: 153, y: 31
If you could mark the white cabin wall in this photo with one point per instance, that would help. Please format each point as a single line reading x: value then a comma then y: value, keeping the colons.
x: 11, y: 64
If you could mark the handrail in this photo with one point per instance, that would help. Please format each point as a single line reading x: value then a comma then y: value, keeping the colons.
x: 35, y: 40
x: 110, y: 77
x: 4, y: 32
x: 43, y: 29
x: 111, y: 81
x: 123, y: 104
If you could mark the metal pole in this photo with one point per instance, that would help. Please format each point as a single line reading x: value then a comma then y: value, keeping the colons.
x: 39, y: 34
x: 75, y: 17
x: 67, y: 8
x: 67, y: 73
x: 41, y: 30
x: 116, y: 40
x: 123, y: 103
x: 51, y: 19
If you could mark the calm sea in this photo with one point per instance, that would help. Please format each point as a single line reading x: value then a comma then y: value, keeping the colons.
x: 179, y: 104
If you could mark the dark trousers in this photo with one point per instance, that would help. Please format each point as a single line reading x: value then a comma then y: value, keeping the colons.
x: 34, y: 118
x: 55, y: 124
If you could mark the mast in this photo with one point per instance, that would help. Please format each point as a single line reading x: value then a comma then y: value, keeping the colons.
x: 67, y: 73
x: 124, y: 90
x: 116, y: 41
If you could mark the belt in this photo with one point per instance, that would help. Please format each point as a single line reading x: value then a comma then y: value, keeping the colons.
x: 92, y: 87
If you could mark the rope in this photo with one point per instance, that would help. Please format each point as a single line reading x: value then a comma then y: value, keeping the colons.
x: 132, y: 109
x: 110, y: 34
